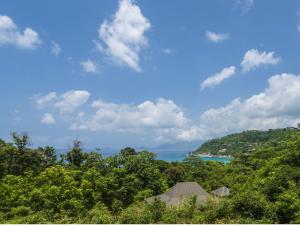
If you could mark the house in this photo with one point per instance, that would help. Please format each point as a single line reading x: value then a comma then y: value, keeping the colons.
x: 223, y: 150
x: 181, y: 191
x: 292, y: 128
x: 221, y: 192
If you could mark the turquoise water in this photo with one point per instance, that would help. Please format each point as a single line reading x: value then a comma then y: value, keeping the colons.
x: 217, y: 159
x: 166, y: 155
x: 170, y: 155
x: 179, y: 155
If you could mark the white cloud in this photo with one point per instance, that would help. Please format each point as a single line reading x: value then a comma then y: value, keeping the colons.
x: 71, y: 100
x: 67, y: 102
x: 190, y: 134
x: 89, y: 66
x: 218, y: 77
x: 214, y: 37
x: 161, y: 114
x: 298, y: 27
x: 11, y: 34
x: 48, y: 119
x: 168, y: 51
x: 55, y: 49
x: 124, y: 34
x: 42, y: 101
x: 253, y: 59
x: 277, y: 106
x: 160, y: 118
x: 244, y: 5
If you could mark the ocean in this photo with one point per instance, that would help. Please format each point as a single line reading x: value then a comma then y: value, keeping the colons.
x: 179, y: 155
x: 165, y: 154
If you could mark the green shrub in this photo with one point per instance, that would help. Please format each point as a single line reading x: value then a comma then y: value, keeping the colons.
x: 99, y: 215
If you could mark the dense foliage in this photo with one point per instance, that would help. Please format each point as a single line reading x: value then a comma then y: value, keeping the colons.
x: 81, y: 187
x: 246, y: 141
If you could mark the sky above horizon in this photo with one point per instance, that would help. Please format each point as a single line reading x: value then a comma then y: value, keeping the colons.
x: 143, y: 73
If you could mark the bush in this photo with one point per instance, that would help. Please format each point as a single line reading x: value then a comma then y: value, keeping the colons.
x: 2, y: 217
x: 253, y: 205
x: 136, y: 213
x: 99, y: 215
x: 20, y: 211
x: 288, y: 207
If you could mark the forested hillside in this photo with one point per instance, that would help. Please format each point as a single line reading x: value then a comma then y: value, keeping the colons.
x: 36, y: 186
x: 244, y: 142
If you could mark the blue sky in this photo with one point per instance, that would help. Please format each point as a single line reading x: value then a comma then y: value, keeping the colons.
x: 142, y: 73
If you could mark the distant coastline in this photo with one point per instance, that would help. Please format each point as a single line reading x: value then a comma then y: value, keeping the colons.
x: 208, y: 155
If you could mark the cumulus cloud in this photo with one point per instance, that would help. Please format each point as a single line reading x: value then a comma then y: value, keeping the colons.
x: 277, y: 106
x: 160, y: 118
x: 89, y: 66
x: 67, y: 102
x: 48, y: 119
x: 55, y: 49
x: 71, y: 100
x: 218, y: 77
x: 161, y: 114
x: 214, y: 37
x: 123, y: 35
x: 11, y: 34
x: 254, y: 58
x: 190, y: 134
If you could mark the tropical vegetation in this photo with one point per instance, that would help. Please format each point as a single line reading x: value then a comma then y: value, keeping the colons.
x: 37, y: 186
x: 245, y: 141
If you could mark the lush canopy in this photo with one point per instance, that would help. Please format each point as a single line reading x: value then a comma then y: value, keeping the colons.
x: 36, y: 186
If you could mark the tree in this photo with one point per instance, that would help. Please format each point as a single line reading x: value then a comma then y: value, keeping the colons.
x: 99, y: 215
x: 175, y: 174
x: 48, y: 155
x: 87, y: 188
x: 21, y: 140
x: 17, y: 158
x: 252, y: 204
x: 134, y: 214
x: 8, y: 159
x: 288, y: 206
x: 196, y: 169
x: 128, y: 152
x: 75, y: 156
x: 156, y: 209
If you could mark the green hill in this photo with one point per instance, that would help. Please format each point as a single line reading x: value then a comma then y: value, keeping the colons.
x: 244, y: 142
